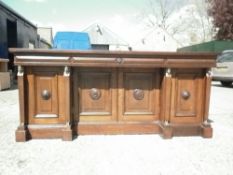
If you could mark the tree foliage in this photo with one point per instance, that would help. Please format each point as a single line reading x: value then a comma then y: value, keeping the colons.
x: 222, y: 13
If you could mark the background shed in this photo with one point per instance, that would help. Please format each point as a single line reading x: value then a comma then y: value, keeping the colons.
x: 102, y: 38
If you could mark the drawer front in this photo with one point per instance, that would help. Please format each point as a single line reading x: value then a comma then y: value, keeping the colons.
x: 187, y: 97
x: 117, y: 62
x: 138, y: 95
x: 44, y: 94
x: 95, y: 95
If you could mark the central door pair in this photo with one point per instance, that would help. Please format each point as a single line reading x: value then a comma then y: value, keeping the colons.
x: 116, y: 95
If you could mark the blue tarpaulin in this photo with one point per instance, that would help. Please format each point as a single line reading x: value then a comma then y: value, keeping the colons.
x: 72, y: 40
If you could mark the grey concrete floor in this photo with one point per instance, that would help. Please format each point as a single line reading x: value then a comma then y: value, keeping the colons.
x: 121, y: 154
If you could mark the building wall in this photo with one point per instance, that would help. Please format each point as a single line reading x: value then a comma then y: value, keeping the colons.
x: 46, y: 33
x: 43, y: 44
x: 26, y: 33
x: 3, y: 36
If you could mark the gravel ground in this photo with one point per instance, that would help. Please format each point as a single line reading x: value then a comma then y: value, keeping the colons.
x: 121, y: 154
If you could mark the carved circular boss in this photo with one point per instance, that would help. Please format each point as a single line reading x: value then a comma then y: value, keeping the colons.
x: 138, y: 94
x: 185, y: 94
x: 95, y: 94
x: 45, y: 94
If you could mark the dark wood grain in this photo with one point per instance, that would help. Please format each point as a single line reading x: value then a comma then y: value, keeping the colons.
x: 65, y: 93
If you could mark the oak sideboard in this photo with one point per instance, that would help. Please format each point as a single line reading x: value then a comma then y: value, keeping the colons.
x: 66, y: 93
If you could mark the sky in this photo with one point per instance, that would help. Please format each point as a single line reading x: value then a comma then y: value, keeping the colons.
x: 123, y: 17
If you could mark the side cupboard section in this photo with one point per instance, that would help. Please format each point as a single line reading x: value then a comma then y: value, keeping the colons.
x: 45, y: 103
x: 185, y: 102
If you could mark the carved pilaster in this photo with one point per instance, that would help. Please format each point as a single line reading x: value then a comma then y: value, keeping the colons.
x: 20, y: 71
x: 209, y: 73
x: 207, y: 80
x: 167, y: 95
x: 21, y: 132
x: 166, y: 123
x: 67, y: 133
x: 207, y: 131
x: 166, y: 128
x: 168, y: 72
x: 66, y: 71
x: 206, y: 123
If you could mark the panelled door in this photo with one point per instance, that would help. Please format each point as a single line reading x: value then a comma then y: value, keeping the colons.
x: 187, y: 96
x: 116, y: 95
x: 95, y: 94
x: 138, y: 98
x: 46, y: 95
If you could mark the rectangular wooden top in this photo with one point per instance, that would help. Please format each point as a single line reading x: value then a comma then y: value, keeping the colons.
x: 93, y: 58
x: 4, y: 60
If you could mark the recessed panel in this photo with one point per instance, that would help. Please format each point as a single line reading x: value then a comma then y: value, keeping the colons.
x: 187, y: 96
x: 44, y: 89
x: 46, y: 95
x: 139, y: 95
x: 95, y: 95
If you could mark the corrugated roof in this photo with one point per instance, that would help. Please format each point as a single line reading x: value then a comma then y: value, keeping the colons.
x: 99, y: 34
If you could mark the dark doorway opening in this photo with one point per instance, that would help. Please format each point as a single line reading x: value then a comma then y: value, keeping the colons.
x: 11, y: 41
x: 100, y: 47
